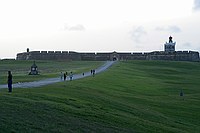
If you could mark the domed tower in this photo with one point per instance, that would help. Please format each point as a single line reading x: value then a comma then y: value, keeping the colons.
x: 170, y: 46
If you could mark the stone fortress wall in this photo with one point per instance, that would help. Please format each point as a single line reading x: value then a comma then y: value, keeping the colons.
x: 70, y: 55
x: 169, y: 53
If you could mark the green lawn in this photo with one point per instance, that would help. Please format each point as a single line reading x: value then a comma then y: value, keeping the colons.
x: 132, y: 96
x: 47, y: 69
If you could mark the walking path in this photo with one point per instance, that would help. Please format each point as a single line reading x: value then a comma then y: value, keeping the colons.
x: 55, y: 80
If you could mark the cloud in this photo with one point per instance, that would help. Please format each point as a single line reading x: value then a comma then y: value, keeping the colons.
x: 187, y: 44
x: 77, y: 27
x: 196, y: 5
x: 138, y: 33
x: 172, y: 29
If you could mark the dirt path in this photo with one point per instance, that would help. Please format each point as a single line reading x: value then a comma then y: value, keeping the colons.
x: 55, y: 80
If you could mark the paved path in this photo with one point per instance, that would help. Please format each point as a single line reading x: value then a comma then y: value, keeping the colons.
x: 55, y: 80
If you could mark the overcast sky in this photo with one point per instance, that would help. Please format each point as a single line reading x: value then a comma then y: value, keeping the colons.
x: 97, y: 25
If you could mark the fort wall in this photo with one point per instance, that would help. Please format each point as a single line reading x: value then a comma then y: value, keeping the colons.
x: 71, y: 55
x: 168, y: 54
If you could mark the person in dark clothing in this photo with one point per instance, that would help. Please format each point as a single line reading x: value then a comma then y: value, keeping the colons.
x: 9, y: 81
x: 65, y: 76
x: 182, y: 94
x: 93, y: 72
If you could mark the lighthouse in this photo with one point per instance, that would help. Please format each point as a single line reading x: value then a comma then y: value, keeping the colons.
x: 170, y: 46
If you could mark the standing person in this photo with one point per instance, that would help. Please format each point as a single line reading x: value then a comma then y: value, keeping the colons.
x: 182, y: 94
x: 93, y: 72
x: 66, y: 73
x: 65, y: 76
x: 9, y: 81
x: 61, y: 75
x: 71, y: 76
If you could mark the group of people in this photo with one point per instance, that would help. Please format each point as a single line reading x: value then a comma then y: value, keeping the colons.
x: 64, y: 76
x: 92, y: 72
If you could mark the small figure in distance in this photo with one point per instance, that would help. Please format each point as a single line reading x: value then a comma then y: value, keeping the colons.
x: 61, y: 75
x: 9, y: 81
x: 182, y: 94
x: 93, y: 72
x: 65, y: 76
x: 83, y: 74
x: 71, y: 76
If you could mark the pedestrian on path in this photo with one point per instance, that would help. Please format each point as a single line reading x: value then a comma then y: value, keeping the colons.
x: 71, y: 76
x: 93, y: 72
x: 56, y: 79
x: 9, y: 81
x: 61, y: 75
x: 65, y: 76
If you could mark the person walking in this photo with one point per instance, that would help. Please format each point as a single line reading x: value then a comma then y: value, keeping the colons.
x: 61, y: 75
x: 9, y: 81
x: 93, y: 72
x: 182, y: 94
x: 65, y: 76
x: 71, y: 76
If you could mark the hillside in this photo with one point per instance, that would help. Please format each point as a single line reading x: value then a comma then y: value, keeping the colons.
x: 47, y: 69
x: 132, y: 96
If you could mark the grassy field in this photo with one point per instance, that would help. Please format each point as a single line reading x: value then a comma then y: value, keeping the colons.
x: 132, y: 96
x: 47, y: 69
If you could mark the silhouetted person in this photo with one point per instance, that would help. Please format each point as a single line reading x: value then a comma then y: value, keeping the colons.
x: 9, y: 81
x: 83, y: 74
x: 182, y: 94
x: 93, y: 72
x: 65, y: 76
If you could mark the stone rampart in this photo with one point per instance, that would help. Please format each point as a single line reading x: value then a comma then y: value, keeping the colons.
x: 71, y: 55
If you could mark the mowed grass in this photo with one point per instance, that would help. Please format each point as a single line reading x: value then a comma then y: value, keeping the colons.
x: 132, y: 96
x: 47, y: 69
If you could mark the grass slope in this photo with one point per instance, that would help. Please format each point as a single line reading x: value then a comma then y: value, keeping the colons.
x: 133, y: 96
x: 47, y: 69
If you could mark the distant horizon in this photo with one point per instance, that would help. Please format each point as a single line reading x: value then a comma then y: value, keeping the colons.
x: 91, y: 52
